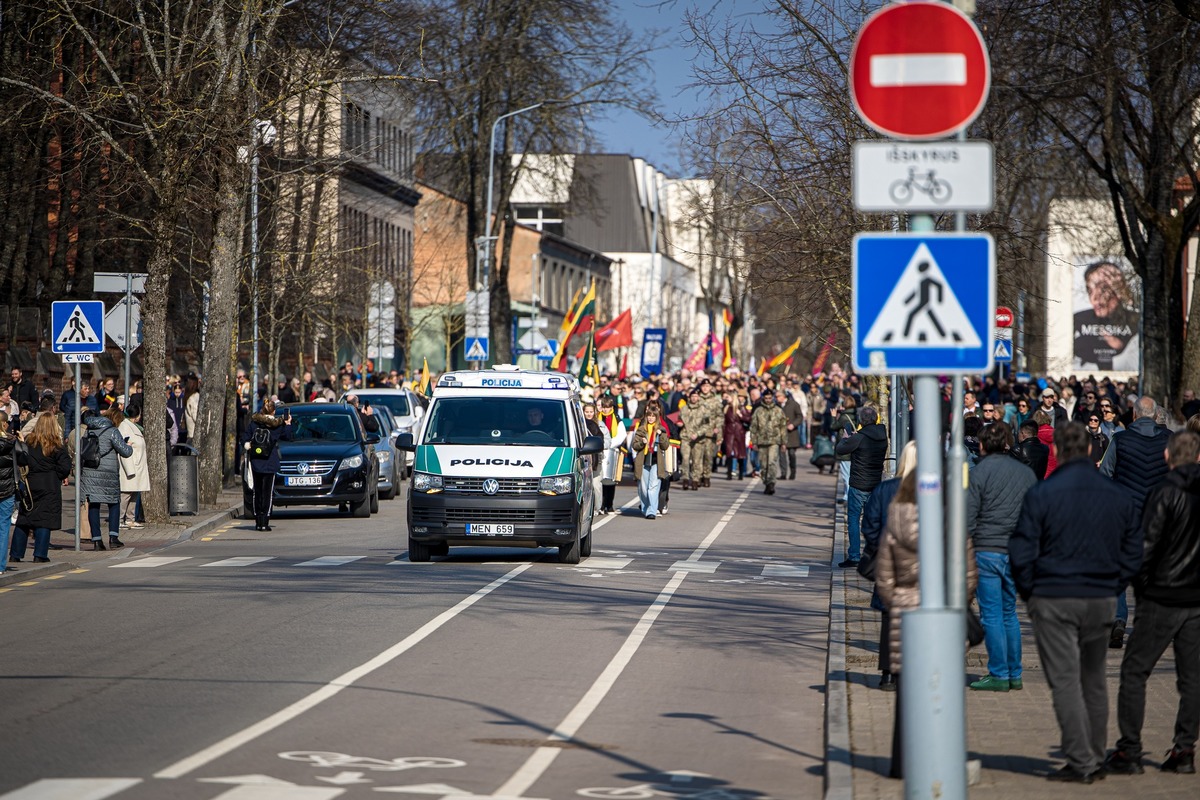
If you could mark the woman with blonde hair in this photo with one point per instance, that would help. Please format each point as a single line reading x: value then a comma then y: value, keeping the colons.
x: 8, y: 486
x: 48, y: 464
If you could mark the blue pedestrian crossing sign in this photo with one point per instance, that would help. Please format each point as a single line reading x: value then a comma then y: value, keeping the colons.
x: 476, y: 348
x: 77, y: 326
x: 923, y: 303
x: 1002, y: 352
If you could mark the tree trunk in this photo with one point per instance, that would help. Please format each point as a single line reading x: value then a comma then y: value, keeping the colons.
x: 225, y: 258
x: 1155, y: 333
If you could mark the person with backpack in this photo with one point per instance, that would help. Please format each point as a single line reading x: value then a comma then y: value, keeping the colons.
x: 263, y: 435
x: 100, y: 480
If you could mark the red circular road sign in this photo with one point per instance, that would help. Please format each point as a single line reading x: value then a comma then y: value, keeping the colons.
x: 1004, y: 317
x: 919, y: 70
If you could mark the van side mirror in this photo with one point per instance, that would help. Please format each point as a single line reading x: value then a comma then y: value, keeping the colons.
x: 405, y: 442
x: 591, y: 446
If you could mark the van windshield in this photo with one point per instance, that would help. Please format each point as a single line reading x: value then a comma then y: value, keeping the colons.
x: 497, y: 420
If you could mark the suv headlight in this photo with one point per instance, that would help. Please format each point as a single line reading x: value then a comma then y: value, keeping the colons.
x: 383, y: 456
x: 558, y: 484
x: 424, y: 482
x: 353, y: 462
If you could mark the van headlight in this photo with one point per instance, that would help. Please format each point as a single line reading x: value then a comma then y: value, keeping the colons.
x: 353, y: 462
x: 424, y: 482
x: 558, y: 484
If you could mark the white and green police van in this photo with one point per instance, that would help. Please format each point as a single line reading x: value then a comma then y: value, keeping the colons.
x: 502, y: 458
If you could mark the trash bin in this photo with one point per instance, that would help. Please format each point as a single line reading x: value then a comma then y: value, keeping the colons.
x: 183, y: 480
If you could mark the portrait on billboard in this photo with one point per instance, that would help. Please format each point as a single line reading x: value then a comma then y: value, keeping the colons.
x: 1105, y: 300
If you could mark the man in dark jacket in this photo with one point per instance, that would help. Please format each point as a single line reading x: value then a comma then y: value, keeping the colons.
x: 1030, y: 451
x: 263, y: 459
x: 1076, y: 546
x: 794, y: 414
x: 23, y: 391
x: 1134, y: 460
x: 1167, y: 588
x: 867, y: 449
x: 998, y: 486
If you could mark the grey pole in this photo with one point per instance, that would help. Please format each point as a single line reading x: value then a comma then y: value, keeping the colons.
x: 487, y: 212
x: 128, y: 330
x: 956, y: 505
x: 254, y: 252
x: 1020, y: 354
x: 78, y: 444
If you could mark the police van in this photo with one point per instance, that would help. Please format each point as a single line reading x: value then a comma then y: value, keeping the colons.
x: 502, y: 457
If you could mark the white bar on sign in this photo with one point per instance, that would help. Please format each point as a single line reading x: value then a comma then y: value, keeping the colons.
x: 919, y: 69
x: 72, y: 789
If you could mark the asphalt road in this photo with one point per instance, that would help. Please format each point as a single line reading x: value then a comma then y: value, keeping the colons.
x: 685, y: 658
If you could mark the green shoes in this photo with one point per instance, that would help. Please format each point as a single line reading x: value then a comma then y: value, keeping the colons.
x: 1015, y: 684
x: 993, y: 684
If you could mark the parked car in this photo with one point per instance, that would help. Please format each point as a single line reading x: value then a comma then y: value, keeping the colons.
x: 387, y: 454
x: 330, y: 461
x: 407, y: 408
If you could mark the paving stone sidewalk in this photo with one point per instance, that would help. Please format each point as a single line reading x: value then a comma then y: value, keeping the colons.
x: 1013, y: 734
x: 137, y: 541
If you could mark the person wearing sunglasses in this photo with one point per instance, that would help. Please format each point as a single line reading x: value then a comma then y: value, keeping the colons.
x: 1109, y: 422
x: 1099, y: 441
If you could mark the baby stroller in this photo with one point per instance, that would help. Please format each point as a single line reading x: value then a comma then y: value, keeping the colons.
x: 822, y: 455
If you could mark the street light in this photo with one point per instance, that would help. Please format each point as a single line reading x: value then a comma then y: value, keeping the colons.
x: 487, y: 211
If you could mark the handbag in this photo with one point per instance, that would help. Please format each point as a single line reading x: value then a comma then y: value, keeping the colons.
x: 974, y: 628
x: 866, y: 564
x: 21, y: 476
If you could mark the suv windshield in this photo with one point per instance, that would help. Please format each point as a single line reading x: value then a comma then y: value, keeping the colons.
x: 497, y: 420
x: 396, y: 403
x: 322, y: 426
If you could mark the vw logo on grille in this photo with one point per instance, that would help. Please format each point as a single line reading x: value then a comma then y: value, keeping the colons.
x: 302, y: 468
x: 491, y: 486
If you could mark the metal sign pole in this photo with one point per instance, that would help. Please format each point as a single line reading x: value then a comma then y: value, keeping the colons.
x: 78, y: 444
x: 128, y: 330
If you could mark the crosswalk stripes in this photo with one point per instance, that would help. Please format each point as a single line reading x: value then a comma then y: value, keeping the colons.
x: 72, y: 789
x: 597, y: 564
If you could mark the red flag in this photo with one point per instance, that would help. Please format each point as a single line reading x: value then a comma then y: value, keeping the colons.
x: 624, y: 373
x: 618, y: 333
x: 824, y: 354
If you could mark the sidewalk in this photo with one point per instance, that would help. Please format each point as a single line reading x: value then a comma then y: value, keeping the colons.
x: 147, y: 539
x: 1014, y: 734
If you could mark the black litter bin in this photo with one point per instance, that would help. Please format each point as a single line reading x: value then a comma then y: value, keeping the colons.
x: 183, y: 480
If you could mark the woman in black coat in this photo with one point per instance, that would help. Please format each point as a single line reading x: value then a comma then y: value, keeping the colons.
x: 264, y: 465
x: 49, y: 464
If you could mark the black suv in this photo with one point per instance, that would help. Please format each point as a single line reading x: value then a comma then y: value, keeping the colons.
x: 329, y: 461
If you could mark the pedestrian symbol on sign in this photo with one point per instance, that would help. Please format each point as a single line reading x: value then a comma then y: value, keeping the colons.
x: 922, y: 310
x: 78, y: 330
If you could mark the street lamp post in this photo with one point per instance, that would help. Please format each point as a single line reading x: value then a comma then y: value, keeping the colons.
x: 487, y: 212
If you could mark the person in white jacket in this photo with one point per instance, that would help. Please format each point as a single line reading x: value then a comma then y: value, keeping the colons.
x: 135, y: 476
x: 614, y: 439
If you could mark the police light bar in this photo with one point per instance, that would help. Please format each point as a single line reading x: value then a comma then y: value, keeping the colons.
x: 506, y: 376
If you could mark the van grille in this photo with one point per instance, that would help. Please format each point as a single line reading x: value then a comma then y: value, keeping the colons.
x: 510, y: 486
x: 516, y: 516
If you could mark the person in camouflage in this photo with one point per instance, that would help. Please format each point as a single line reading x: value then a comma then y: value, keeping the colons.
x: 768, y: 432
x: 693, y: 415
x: 714, y: 422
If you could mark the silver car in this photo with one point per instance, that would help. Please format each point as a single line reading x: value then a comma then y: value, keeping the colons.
x: 407, y: 411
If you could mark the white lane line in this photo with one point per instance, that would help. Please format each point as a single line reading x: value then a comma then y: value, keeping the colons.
x: 537, y: 764
x: 280, y: 793
x: 150, y: 561
x: 604, y: 562
x: 330, y: 561
x: 334, y: 687
x: 239, y: 561
x: 784, y: 571
x: 694, y: 566
x: 72, y: 789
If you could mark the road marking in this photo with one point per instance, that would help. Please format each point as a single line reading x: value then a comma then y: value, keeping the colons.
x: 334, y: 687
x: 439, y: 789
x: 53, y: 577
x: 280, y: 793
x: 77, y: 571
x: 72, y: 789
x: 541, y: 759
x: 601, y: 562
x: 238, y: 561
x: 206, y: 538
x: 694, y: 566
x: 28, y: 583
x: 784, y: 571
x: 2, y: 591
x: 330, y: 561
x: 151, y: 561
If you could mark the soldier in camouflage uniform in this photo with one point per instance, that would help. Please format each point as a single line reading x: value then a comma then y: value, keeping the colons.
x: 692, y: 415
x: 768, y: 432
x: 714, y: 422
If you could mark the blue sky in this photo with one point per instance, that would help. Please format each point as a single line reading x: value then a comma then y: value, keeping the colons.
x: 625, y: 132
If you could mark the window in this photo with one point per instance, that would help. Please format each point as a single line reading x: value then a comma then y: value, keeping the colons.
x: 547, y: 219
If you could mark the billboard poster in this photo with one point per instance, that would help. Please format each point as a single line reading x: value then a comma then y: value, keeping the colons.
x: 1105, y: 298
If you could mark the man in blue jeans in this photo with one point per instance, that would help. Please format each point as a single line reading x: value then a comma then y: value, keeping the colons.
x: 998, y: 486
x: 867, y: 449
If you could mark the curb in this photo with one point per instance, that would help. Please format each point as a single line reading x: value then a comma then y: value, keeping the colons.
x: 36, y: 571
x: 204, y: 526
x: 839, y: 770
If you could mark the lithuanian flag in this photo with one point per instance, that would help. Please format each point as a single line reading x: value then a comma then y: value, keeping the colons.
x: 589, y: 371
x: 784, y: 359
x: 579, y: 320
x: 424, y: 387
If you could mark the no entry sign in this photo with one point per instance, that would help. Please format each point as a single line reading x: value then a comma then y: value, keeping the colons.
x: 919, y: 70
